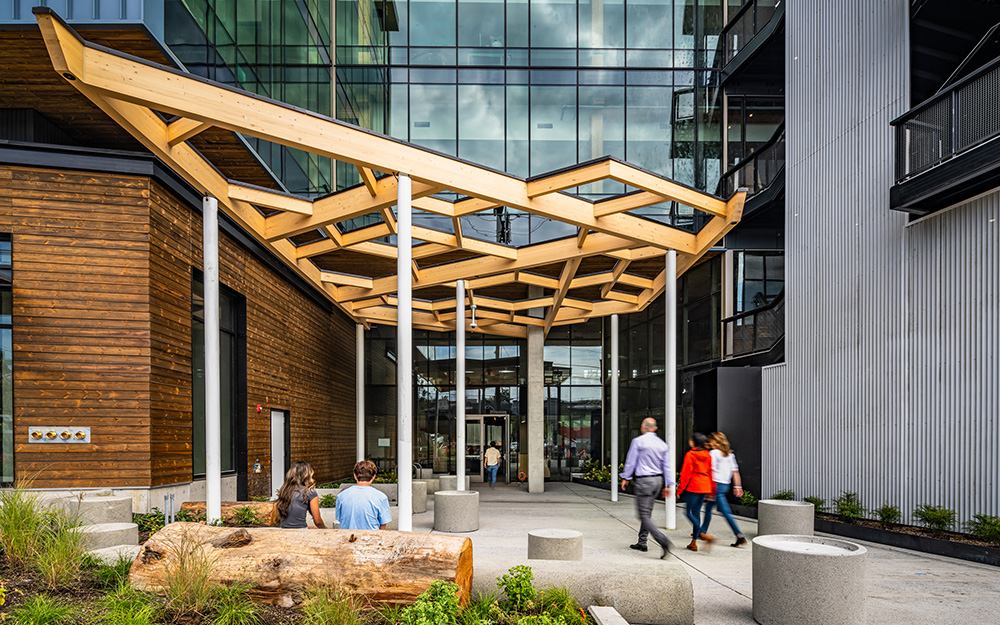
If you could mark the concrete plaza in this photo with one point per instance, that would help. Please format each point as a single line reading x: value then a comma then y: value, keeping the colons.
x: 904, y: 586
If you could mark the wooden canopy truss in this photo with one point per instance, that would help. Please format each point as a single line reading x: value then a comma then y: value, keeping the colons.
x: 614, y: 263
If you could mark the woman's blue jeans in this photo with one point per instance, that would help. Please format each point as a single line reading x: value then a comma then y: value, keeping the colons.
x: 721, y: 490
x: 694, y: 501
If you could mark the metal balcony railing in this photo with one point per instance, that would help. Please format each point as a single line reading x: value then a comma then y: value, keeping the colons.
x: 757, y: 171
x: 754, y: 331
x: 744, y: 26
x: 953, y: 121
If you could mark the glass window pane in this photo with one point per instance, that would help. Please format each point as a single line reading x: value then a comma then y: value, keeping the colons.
x: 481, y: 113
x: 432, y: 23
x: 553, y: 128
x: 648, y: 129
x: 649, y: 24
x: 602, y: 23
x: 7, y: 399
x: 553, y: 23
x: 481, y: 23
x: 432, y: 115
x: 517, y: 23
x: 602, y: 132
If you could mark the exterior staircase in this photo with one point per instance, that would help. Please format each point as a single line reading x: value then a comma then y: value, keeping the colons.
x: 108, y: 530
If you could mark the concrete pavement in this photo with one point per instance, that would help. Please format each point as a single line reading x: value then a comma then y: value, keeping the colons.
x: 904, y: 586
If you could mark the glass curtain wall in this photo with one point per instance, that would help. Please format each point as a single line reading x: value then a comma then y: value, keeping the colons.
x: 275, y: 48
x: 6, y: 364
x: 531, y: 86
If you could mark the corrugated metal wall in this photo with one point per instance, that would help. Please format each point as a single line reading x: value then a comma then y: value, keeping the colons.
x: 892, y: 382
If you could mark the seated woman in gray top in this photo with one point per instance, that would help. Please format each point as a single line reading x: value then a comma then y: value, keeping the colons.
x: 297, y: 495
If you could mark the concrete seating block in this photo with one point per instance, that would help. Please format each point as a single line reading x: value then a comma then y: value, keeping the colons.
x: 394, y: 523
x: 102, y: 535
x: 777, y: 516
x: 92, y: 510
x: 419, y: 496
x: 424, y: 474
x: 111, y: 555
x: 657, y: 592
x: 450, y: 482
x: 329, y: 516
x: 555, y: 544
x: 456, y: 511
x: 606, y: 615
x: 433, y: 485
x: 808, y: 580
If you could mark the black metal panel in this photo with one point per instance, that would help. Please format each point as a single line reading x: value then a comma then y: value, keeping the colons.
x: 960, y: 178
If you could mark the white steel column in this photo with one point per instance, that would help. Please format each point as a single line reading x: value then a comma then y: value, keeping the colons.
x: 670, y: 370
x: 404, y: 359
x: 359, y: 390
x: 213, y: 361
x: 460, y: 383
x: 614, y: 408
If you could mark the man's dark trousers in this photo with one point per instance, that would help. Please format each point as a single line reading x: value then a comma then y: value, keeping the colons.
x: 646, y: 490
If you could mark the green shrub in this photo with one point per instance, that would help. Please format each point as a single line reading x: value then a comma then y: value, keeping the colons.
x: 539, y: 619
x: 187, y: 585
x: 43, y: 610
x: 784, y: 495
x: 232, y: 606
x: 21, y: 524
x: 328, y: 500
x: 260, y: 498
x: 186, y: 516
x: 150, y: 522
x: 819, y: 504
x: 936, y: 518
x: 517, y: 585
x: 848, y: 507
x: 127, y: 606
x: 484, y: 608
x: 557, y: 603
x: 108, y: 576
x: 748, y: 499
x: 390, y: 614
x: 438, y: 605
x: 887, y: 514
x: 985, y: 527
x: 60, y: 557
x: 246, y: 515
x: 325, y: 605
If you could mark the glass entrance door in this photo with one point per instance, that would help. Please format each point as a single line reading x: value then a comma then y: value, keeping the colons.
x: 480, y: 431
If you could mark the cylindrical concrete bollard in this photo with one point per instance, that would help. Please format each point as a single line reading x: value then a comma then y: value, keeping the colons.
x: 456, y: 511
x: 419, y: 496
x: 808, y: 580
x: 777, y: 516
x: 555, y: 544
x: 450, y: 482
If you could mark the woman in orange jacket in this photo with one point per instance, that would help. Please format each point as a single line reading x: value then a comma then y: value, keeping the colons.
x: 696, y: 483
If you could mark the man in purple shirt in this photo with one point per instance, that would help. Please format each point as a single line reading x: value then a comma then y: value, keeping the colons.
x: 648, y: 465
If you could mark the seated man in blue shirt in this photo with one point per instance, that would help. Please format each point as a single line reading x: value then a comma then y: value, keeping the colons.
x: 362, y: 507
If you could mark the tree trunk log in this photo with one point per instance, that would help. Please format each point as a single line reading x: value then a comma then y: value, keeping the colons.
x: 380, y: 566
x: 261, y: 508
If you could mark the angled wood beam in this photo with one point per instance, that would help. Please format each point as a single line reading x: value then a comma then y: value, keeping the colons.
x: 180, y: 130
x: 536, y: 279
x: 434, y: 205
x: 636, y: 281
x: 593, y: 279
x: 629, y: 298
x: 528, y: 304
x: 616, y: 273
x: 579, y: 304
x: 457, y: 226
x: 374, y: 248
x: 471, y: 245
x: 581, y: 236
x: 668, y: 189
x: 472, y: 205
x: 343, y: 279
x: 375, y: 231
x: 368, y: 177
x: 389, y: 218
x: 501, y: 278
x: 266, y: 198
x: 565, y: 279
x: 429, y: 249
x: 567, y: 179
x: 628, y: 202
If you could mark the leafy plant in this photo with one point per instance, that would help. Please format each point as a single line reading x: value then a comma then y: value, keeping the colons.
x: 246, y: 515
x: 937, y: 518
x: 186, y: 516
x: 232, y: 606
x: 484, y: 608
x: 438, y: 605
x: 539, y: 619
x: 748, y: 499
x: 819, y: 504
x: 517, y: 585
x: 887, y: 514
x: 390, y: 614
x: 187, y: 585
x: 127, y: 606
x: 557, y: 603
x: 328, y: 500
x: 150, y: 522
x: 849, y: 507
x: 43, y: 610
x: 985, y: 527
x: 260, y: 498
x: 330, y: 605
x: 784, y: 495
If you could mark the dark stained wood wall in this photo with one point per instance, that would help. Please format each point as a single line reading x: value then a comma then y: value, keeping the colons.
x: 102, y: 336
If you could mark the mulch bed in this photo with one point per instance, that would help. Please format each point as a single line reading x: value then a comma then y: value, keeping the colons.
x: 913, y: 530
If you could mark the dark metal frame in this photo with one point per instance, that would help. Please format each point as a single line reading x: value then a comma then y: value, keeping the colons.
x: 779, y: 300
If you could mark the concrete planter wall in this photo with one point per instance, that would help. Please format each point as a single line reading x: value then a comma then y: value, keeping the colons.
x: 808, y: 580
x: 777, y: 516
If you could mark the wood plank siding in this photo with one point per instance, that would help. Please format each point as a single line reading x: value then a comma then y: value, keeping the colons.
x: 102, y: 270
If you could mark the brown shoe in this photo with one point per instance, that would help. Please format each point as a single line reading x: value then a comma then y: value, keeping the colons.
x: 706, y: 537
x: 694, y: 545
x: 740, y: 541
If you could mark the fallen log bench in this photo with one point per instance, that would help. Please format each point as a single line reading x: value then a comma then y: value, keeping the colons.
x: 261, y: 508
x: 380, y: 566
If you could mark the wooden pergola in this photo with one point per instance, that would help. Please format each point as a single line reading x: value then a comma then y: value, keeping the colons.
x: 163, y: 108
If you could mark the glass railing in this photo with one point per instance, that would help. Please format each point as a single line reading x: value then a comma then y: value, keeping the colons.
x: 757, y: 171
x: 752, y: 17
x: 754, y: 331
x: 951, y: 122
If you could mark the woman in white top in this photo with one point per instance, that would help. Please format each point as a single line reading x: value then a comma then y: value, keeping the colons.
x: 725, y: 472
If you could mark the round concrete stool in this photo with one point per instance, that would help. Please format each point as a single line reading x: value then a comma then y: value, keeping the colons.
x: 777, y: 516
x: 419, y: 496
x: 553, y: 544
x: 808, y: 580
x: 456, y: 511
x: 450, y: 482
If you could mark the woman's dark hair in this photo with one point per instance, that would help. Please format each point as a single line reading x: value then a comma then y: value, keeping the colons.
x: 299, y: 479
x: 700, y: 440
